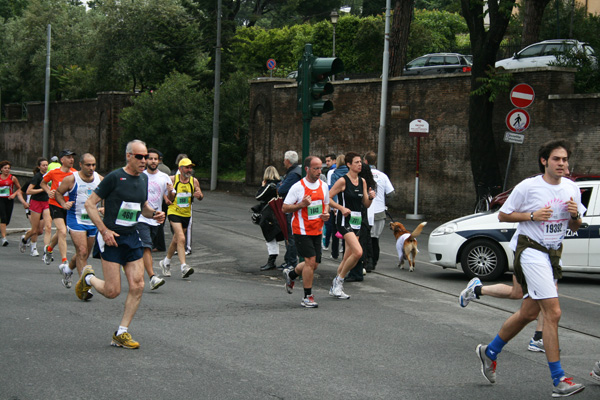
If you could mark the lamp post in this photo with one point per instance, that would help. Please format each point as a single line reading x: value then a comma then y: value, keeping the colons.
x: 334, y: 19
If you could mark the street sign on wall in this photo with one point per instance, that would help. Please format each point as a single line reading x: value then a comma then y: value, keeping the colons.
x: 271, y: 63
x: 517, y: 120
x: 515, y: 138
x: 522, y: 95
x: 418, y: 128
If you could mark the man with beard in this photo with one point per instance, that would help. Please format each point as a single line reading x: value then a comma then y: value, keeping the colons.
x: 79, y: 186
x: 159, y: 189
x: 185, y: 189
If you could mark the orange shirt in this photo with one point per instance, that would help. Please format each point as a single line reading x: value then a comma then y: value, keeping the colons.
x: 307, y: 220
x: 57, y: 176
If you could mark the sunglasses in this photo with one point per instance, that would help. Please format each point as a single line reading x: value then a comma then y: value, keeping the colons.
x: 140, y: 156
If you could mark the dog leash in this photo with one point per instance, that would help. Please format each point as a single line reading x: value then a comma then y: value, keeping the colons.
x: 389, y: 215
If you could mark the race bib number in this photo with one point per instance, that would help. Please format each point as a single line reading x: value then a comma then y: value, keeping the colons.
x: 183, y: 200
x: 128, y: 214
x: 555, y: 228
x: 4, y: 191
x: 315, y: 209
x: 355, y: 219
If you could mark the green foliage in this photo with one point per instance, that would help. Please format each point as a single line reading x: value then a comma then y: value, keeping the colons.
x: 496, y: 82
x: 74, y: 82
x: 587, y: 77
x: 584, y: 26
x: 177, y: 118
x: 434, y: 32
x: 12, y: 8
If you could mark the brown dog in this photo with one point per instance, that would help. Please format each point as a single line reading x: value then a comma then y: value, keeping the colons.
x: 406, y: 244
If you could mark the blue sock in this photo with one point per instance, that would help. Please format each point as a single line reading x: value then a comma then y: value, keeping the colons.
x: 556, y: 371
x: 495, y: 347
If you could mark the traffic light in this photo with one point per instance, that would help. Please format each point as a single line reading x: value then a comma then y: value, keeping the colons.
x: 313, y: 84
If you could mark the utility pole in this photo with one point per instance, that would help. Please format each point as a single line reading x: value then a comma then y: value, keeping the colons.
x: 46, y: 134
x: 217, y: 101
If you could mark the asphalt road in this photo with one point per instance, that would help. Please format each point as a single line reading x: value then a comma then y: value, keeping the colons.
x: 231, y: 331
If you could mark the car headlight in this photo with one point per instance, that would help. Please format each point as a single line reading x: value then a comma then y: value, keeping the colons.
x: 445, y: 229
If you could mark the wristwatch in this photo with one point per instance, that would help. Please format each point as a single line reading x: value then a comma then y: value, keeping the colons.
x: 575, y: 218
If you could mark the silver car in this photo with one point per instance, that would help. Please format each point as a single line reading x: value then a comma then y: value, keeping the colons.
x: 438, y: 63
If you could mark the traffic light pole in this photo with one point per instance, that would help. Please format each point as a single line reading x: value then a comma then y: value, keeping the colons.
x: 305, y: 67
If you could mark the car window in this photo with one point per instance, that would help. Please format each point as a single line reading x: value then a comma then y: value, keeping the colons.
x: 586, y: 194
x: 419, y: 62
x: 553, y: 48
x: 451, y: 60
x: 532, y: 51
x: 589, y: 51
x: 436, y: 60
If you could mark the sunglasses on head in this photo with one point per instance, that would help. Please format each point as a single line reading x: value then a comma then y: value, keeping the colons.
x: 140, y: 156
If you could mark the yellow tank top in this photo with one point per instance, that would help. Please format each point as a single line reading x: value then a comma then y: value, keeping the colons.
x: 182, y: 204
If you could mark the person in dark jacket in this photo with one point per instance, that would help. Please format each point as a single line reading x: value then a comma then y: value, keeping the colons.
x: 267, y: 221
x: 292, y: 175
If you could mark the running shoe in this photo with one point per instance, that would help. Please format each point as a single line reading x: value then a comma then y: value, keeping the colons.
x: 469, y: 293
x: 289, y: 283
x: 124, y: 340
x: 186, y: 271
x: 156, y: 282
x: 34, y: 252
x: 22, y: 244
x: 309, y: 302
x: 61, y: 267
x: 81, y: 287
x: 596, y: 371
x: 88, y: 295
x: 67, y: 276
x: 337, y: 289
x: 488, y: 366
x: 47, y: 256
x: 4, y: 242
x: 566, y: 387
x: 166, y: 268
x: 536, y: 345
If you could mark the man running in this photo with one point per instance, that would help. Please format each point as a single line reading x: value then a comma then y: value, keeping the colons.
x: 58, y: 214
x: 159, y: 187
x: 544, y: 206
x: 125, y: 193
x: 185, y: 189
x: 308, y: 203
x: 79, y: 186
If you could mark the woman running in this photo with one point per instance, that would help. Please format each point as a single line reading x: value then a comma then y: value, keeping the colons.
x: 353, y: 195
x: 9, y: 189
x: 39, y: 218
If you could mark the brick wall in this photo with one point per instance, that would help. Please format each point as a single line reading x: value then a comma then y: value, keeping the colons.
x: 446, y: 182
x: 89, y: 125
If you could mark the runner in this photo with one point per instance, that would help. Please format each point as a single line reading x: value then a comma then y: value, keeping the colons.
x: 39, y: 216
x: 308, y: 202
x: 79, y: 187
x: 125, y: 193
x: 9, y: 189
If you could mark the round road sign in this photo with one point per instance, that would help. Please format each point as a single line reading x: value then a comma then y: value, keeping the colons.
x: 271, y: 64
x: 522, y: 95
x: 517, y: 120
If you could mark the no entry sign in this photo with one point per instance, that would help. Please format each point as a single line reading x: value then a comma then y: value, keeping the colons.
x: 522, y: 95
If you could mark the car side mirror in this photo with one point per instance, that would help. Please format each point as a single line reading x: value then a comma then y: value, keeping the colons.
x: 515, y: 56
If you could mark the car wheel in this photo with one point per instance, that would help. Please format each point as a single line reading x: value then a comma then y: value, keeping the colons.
x: 484, y: 259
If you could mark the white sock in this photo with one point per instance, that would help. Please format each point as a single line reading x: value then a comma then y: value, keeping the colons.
x: 167, y: 260
x: 33, y: 245
x: 121, y: 330
x: 88, y: 279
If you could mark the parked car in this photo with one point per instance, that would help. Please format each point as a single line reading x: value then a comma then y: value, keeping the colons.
x: 479, y: 243
x: 438, y: 63
x: 543, y: 53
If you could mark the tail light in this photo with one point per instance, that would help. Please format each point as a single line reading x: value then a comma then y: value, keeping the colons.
x: 466, y: 69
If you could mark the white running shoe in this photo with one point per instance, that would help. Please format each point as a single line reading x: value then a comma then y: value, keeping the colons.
x: 156, y: 282
x: 61, y: 268
x: 166, y: 268
x: 34, y: 252
x: 566, y: 387
x: 47, y: 256
x: 469, y: 293
x: 22, y: 244
x: 186, y: 271
x: 337, y: 289
x: 4, y: 242
x: 596, y: 371
x: 309, y: 302
x: 67, y: 275
x: 536, y: 345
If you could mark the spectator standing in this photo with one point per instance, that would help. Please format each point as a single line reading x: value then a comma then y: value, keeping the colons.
x: 268, y: 222
x: 292, y: 175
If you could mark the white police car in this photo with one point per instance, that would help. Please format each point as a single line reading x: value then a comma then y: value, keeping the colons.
x: 479, y: 242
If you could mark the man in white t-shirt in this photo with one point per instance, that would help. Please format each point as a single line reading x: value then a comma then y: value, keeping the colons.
x: 376, y: 212
x: 545, y: 206
x: 159, y: 189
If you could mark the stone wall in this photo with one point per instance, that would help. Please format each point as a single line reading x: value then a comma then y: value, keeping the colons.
x: 89, y: 125
x: 446, y: 181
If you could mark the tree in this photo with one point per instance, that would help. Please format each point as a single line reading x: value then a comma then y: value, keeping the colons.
x: 403, y: 13
x: 532, y: 21
x: 484, y: 45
